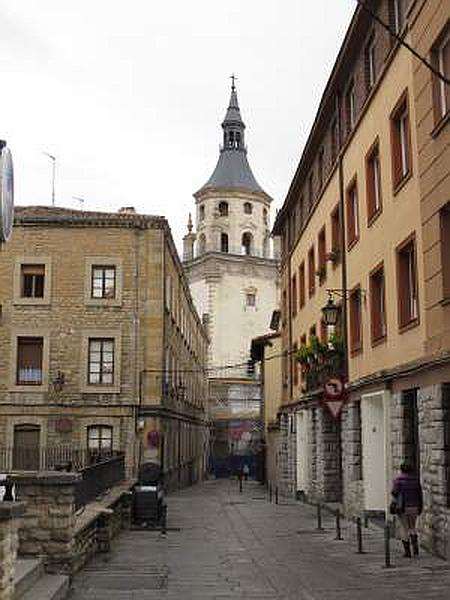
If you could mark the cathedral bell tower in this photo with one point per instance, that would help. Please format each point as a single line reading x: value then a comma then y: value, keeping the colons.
x: 233, y: 279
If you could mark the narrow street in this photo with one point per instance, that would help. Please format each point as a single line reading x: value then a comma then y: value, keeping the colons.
x: 236, y: 546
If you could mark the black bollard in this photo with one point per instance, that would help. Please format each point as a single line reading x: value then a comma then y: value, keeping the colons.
x: 387, y: 546
x: 338, y: 526
x: 319, y: 517
x: 276, y: 495
x: 270, y: 492
x: 359, y: 536
x: 240, y: 484
x: 164, y: 520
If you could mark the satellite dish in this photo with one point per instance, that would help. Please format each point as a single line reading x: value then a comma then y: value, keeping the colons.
x: 6, y: 193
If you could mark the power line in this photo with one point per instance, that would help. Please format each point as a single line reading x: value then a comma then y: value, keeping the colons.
x: 286, y: 353
x: 402, y: 42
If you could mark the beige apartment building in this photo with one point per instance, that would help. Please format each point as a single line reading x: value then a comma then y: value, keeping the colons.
x: 365, y: 224
x: 101, y: 349
x: 266, y: 350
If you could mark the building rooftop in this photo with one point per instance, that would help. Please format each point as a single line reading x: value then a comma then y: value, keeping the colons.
x: 55, y: 215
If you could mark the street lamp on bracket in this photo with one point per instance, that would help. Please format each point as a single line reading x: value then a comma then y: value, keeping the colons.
x: 331, y: 311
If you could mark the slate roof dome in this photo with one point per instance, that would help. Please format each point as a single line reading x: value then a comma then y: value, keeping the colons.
x: 233, y: 169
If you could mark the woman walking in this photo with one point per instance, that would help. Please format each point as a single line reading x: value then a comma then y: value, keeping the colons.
x: 407, y: 504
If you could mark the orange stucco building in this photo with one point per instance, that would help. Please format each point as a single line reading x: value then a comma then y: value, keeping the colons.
x: 366, y: 223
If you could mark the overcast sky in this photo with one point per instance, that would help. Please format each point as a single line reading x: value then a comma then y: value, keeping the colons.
x: 129, y: 95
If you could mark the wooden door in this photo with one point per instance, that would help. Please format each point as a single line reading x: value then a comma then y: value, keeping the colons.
x: 26, y: 447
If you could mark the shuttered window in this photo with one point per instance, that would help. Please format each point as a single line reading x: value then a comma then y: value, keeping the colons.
x: 373, y: 183
x: 408, y: 309
x: 322, y: 255
x: 400, y: 142
x: 336, y: 234
x: 441, y: 61
x: 352, y: 214
x: 301, y: 284
x: 32, y: 281
x: 311, y: 272
x: 294, y: 295
x: 378, y: 304
x: 355, y: 320
x: 29, y: 360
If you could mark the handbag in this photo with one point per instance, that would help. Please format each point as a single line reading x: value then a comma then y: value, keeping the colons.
x: 396, y: 507
x: 393, y: 507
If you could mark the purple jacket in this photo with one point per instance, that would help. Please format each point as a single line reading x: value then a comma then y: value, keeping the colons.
x: 407, y: 491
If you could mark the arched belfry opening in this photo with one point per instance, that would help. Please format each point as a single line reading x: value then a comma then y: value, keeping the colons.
x: 223, y: 209
x: 247, y: 243
x: 224, y: 246
x: 201, y: 248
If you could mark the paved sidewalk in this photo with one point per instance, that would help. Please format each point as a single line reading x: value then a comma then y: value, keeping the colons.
x: 238, y: 546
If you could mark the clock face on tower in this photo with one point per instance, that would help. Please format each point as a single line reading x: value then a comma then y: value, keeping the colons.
x: 6, y: 194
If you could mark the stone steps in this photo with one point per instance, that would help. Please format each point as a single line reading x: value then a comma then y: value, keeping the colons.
x: 32, y: 583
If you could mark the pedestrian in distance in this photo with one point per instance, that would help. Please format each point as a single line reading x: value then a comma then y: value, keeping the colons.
x: 407, y: 504
x: 246, y: 471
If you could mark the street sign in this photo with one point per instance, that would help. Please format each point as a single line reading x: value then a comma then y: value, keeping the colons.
x: 334, y: 395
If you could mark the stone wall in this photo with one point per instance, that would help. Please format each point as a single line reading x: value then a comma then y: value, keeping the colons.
x: 10, y: 513
x: 47, y: 528
x: 51, y: 528
x: 324, y: 442
x: 353, y: 488
x: 287, y: 456
x: 434, y: 411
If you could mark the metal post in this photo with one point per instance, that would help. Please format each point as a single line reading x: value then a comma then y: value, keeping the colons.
x: 240, y: 483
x: 319, y: 517
x: 359, y: 536
x: 276, y: 495
x: 164, y: 519
x: 387, y: 546
x: 338, y: 526
x: 270, y: 492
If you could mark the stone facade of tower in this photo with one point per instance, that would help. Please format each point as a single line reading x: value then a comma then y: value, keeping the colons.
x: 233, y: 279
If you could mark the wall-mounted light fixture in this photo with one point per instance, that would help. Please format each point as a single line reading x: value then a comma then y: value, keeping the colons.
x: 59, y: 381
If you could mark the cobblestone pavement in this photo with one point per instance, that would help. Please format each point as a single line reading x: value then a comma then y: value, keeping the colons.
x: 239, y: 546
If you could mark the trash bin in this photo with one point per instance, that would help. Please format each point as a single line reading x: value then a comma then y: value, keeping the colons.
x: 148, y: 496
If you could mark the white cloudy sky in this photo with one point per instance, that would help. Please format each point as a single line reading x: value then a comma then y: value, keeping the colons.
x: 130, y: 95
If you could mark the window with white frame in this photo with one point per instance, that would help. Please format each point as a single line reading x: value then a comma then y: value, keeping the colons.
x: 103, y: 282
x: 100, y: 438
x: 441, y: 61
x: 32, y: 280
x: 101, y: 361
x: 370, y: 57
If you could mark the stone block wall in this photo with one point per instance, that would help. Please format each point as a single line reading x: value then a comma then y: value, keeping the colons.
x: 10, y: 513
x: 324, y: 440
x: 434, y: 413
x: 353, y: 488
x: 287, y: 456
x: 433, y: 408
x: 47, y: 528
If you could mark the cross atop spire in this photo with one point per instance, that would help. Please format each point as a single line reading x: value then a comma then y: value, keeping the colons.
x: 233, y: 81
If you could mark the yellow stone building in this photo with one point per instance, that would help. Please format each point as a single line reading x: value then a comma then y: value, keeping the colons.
x: 365, y: 224
x: 101, y: 348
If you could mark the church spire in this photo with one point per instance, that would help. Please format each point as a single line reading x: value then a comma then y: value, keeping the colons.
x: 233, y: 170
x: 233, y: 125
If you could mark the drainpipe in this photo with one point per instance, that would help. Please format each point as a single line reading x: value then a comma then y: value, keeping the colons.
x: 343, y: 240
x: 343, y: 279
x: 137, y: 359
